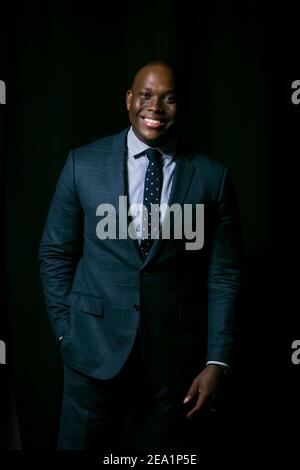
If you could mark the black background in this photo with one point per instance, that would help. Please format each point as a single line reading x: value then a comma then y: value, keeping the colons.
x: 67, y: 68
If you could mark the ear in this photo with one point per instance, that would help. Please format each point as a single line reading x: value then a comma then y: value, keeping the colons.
x: 128, y: 99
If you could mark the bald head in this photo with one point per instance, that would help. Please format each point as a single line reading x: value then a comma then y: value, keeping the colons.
x: 163, y: 64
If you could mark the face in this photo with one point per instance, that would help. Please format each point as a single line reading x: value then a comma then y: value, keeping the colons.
x: 152, y: 104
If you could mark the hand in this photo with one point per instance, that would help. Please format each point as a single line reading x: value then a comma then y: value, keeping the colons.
x: 204, y: 387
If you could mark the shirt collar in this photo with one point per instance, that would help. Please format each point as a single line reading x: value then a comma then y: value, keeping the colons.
x: 136, y: 146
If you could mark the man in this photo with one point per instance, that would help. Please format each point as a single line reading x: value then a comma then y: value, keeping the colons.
x: 146, y: 323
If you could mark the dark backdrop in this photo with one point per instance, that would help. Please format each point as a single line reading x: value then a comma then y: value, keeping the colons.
x: 67, y: 69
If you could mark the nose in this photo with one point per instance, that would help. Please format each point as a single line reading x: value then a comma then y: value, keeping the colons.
x: 155, y: 105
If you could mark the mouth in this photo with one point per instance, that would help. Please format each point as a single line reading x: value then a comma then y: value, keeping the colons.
x: 153, y: 123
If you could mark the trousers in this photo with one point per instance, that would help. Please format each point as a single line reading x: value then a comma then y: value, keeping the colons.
x: 129, y: 411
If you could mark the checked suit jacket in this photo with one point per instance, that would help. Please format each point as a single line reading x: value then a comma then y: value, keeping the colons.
x: 99, y: 292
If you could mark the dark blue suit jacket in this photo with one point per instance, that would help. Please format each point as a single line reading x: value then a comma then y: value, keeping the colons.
x: 98, y: 291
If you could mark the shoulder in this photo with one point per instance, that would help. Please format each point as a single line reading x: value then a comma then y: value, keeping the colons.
x: 101, y: 145
x: 99, y: 148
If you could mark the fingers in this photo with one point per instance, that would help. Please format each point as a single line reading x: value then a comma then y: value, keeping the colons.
x: 200, y: 402
x: 201, y: 398
x: 194, y: 388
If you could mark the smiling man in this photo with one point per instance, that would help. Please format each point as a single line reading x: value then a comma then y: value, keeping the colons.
x: 146, y: 327
x: 152, y: 104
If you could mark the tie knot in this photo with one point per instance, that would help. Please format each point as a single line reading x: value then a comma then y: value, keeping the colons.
x: 153, y: 155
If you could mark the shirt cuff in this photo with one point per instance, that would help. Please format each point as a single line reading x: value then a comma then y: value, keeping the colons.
x: 218, y: 363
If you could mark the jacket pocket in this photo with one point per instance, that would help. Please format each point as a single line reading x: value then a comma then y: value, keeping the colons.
x: 86, y: 303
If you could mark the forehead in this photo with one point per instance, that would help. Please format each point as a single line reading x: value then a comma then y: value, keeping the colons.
x: 155, y: 76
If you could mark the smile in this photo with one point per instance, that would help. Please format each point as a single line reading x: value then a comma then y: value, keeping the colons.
x: 153, y: 123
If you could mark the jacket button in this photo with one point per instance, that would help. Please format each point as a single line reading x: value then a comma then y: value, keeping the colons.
x: 145, y: 273
x: 136, y: 307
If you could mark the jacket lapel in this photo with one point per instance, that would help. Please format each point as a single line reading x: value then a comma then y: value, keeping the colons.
x: 117, y: 181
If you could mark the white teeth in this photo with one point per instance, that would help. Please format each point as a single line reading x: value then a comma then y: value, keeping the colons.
x: 152, y: 121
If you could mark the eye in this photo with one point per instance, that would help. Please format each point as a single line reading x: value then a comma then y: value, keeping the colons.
x: 144, y: 95
x: 171, y: 98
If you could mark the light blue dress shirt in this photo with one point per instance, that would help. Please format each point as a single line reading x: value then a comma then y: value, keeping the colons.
x: 136, y: 169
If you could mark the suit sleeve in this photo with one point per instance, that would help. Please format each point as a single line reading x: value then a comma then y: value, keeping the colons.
x: 225, y: 276
x: 61, y: 247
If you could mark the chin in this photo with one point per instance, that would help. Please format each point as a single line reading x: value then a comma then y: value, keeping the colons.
x: 155, y: 140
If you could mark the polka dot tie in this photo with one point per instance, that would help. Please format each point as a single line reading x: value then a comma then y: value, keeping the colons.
x: 151, y: 201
